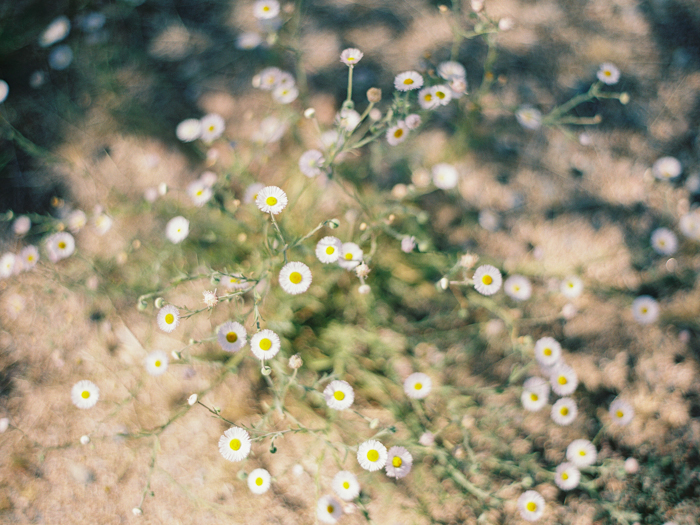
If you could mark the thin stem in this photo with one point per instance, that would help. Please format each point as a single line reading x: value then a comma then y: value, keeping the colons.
x: 348, y: 100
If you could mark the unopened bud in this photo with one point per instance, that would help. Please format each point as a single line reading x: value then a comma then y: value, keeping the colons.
x: 295, y: 362
x: 477, y: 5
x: 84, y: 440
x: 192, y: 399
x: 176, y: 355
x: 444, y: 283
x: 333, y: 224
x: 266, y: 370
x: 364, y: 289
x: 374, y: 95
x: 631, y: 466
x: 374, y: 423
x: 363, y: 226
x: 375, y: 114
x: 256, y: 81
x: 136, y: 511
x: 162, y: 188
x: 506, y: 24
x: 624, y: 98
x: 527, y: 482
x: 159, y: 302
x: 310, y: 113
x: 142, y: 305
x: 273, y: 449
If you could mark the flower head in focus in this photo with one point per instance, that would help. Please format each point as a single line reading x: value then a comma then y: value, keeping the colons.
x: 351, y: 56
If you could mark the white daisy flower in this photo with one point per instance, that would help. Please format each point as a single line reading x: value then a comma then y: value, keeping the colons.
x: 177, y: 229
x: 458, y: 86
x: 608, y: 74
x: 397, y: 134
x: 371, y: 455
x: 85, y: 394
x: 329, y: 249
x: 57, y: 30
x: 443, y: 94
x: 285, y: 79
x: 199, y: 192
x: 564, y: 411
x: 269, y: 78
x: 60, y: 58
x: 350, y: 256
x: 271, y: 199
x: 427, y: 99
x: 450, y: 70
x: 295, y: 278
x: 21, y: 225
x: 621, y: 412
x: 251, y: 192
x: 29, y: 256
x: 331, y: 139
x: 445, y: 176
x: 329, y: 509
x: 531, y: 505
x: 259, y: 481
x: 518, y: 287
x: 487, y: 279
x: 4, y: 91
x: 529, y: 117
x: 7, y: 265
x: 689, y: 224
x: 571, y: 287
x: 535, y: 394
x: 168, y: 318
x: 348, y: 119
x: 645, y: 309
x: 563, y: 380
x: 285, y: 94
x: 265, y: 344
x: 213, y: 126
x: 234, y: 445
x: 76, y: 220
x: 103, y: 223
x: 156, y: 363
x: 231, y: 336
x: 59, y: 246
x: 189, y: 130
x: 417, y: 385
x: 408, y: 80
x: 311, y: 163
x: 567, y: 476
x: 581, y: 453
x: 413, y: 121
x: 345, y: 485
x: 664, y: 241
x: 339, y: 395
x: 351, y: 56
x: 248, y: 41
x: 234, y: 282
x: 208, y: 178
x: 547, y: 351
x: 667, y: 168
x: 266, y: 9
x: 399, y: 462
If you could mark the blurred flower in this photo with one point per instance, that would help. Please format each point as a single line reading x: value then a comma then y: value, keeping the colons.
x: 621, y: 412
x: 427, y: 439
x: 451, y: 70
x: 399, y: 462
x: 91, y: 22
x: 271, y: 199
x: 489, y: 220
x: 531, y: 505
x: 199, y: 192
x: 518, y: 287
x: 177, y: 229
x: 311, y: 163
x: 59, y: 246
x: 417, y: 385
x: 85, y: 394
x: 689, y: 224
x: 232, y: 336
x: 269, y: 78
x: 295, y: 278
x: 156, y: 363
x: 265, y: 344
x: 339, y: 395
x: 564, y: 411
x: 348, y: 119
x: 248, y: 41
x: 371, y: 455
x: 234, y: 445
x: 427, y: 99
x: 84, y: 440
x: 7, y: 265
x: 408, y: 80
x: 375, y: 114
x: 664, y: 241
x: 350, y: 256
x: 345, y: 485
x: 4, y: 424
x: 28, y: 257
x: 645, y: 309
x: 581, y: 453
x: 21, y: 225
x: 213, y: 126
x: 631, y: 466
x: 266, y: 9
x: 329, y: 509
x: 397, y: 134
x: 535, y: 394
x: 251, y: 192
x: 408, y: 244
x: 57, y: 30
x: 76, y: 220
x: 189, y: 129
x: 234, y: 282
x: 529, y: 117
x: 4, y: 91
x: 168, y: 318
x: 150, y: 194
x: 445, y: 176
x: 413, y: 121
x: 364, y: 289
x: 608, y: 74
x: 103, y: 223
x: 329, y: 249
x: 60, y: 58
x: 571, y: 287
x: 487, y: 279
x: 563, y: 379
x: 295, y: 362
x: 458, y: 86
x: 667, y: 168
x: 567, y: 476
x: 259, y: 481
x: 285, y: 94
x: 443, y: 94
x: 362, y: 270
x: 506, y: 24
x: 351, y: 56
x: 374, y: 95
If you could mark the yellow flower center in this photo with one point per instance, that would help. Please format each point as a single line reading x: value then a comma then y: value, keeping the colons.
x: 330, y: 509
x: 62, y: 245
x: 271, y: 201
x: 534, y: 397
x: 350, y: 59
x: 562, y: 380
x: 397, y: 462
x: 619, y: 414
x: 169, y: 318
x: 346, y: 485
x: 157, y: 363
x: 571, y: 285
x: 398, y: 133
x: 339, y: 395
x: 295, y: 277
x: 607, y: 73
x: 564, y: 411
x: 582, y: 453
x: 408, y: 81
x: 418, y: 386
x: 440, y: 94
x: 373, y: 455
x: 564, y: 476
x: 531, y: 506
x: 348, y: 257
x: 232, y: 337
x: 85, y: 394
x: 212, y: 127
x: 428, y: 97
x: 547, y: 351
x: 330, y: 250
x: 265, y: 344
x: 516, y: 288
x: 644, y: 310
x: 199, y: 193
x: 487, y: 279
x: 266, y: 8
x: 235, y: 444
x: 259, y: 482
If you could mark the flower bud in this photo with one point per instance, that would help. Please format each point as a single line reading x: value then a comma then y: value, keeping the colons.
x: 310, y: 113
x: 266, y: 370
x: 374, y: 95
x: 84, y: 440
x: 374, y: 423
x: 444, y: 283
x: 136, y: 511
x: 624, y: 98
x: 364, y: 289
x: 159, y: 302
x: 192, y: 399
x: 333, y: 224
x: 295, y: 362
